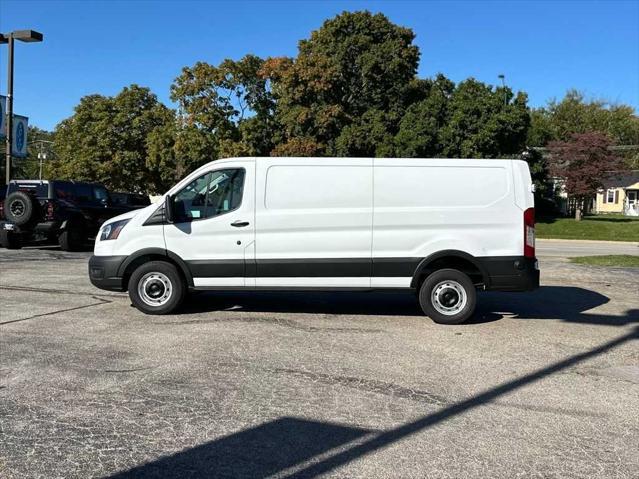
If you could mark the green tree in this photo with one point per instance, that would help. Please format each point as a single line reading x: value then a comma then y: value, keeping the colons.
x: 230, y: 103
x: 421, y: 127
x: 349, y: 81
x: 484, y: 122
x: 559, y: 121
x: 470, y: 120
x: 105, y: 140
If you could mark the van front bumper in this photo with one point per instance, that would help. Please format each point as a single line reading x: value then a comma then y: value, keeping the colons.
x: 512, y: 273
x: 103, y: 272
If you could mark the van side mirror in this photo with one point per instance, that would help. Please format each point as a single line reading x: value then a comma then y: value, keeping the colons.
x: 169, y: 209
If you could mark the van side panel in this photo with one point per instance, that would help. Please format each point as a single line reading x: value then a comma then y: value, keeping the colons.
x: 425, y: 206
x: 314, y: 222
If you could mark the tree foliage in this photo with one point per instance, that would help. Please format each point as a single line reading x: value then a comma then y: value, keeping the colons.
x: 559, y: 121
x: 230, y: 103
x: 348, y: 82
x: 584, y: 162
x: 105, y: 140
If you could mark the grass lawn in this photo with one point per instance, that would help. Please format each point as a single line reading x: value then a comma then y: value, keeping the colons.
x: 623, y: 260
x: 603, y: 227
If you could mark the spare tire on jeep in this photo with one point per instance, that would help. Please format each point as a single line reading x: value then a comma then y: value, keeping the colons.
x: 20, y: 208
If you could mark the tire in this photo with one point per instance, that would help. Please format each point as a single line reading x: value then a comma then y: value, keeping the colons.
x: 73, y: 237
x: 20, y: 208
x: 151, y: 282
x: 448, y: 296
x: 10, y: 240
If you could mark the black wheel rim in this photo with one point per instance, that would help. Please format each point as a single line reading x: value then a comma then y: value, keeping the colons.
x: 17, y: 208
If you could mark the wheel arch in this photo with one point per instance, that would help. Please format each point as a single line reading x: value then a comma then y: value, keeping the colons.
x: 153, y: 254
x: 454, y: 259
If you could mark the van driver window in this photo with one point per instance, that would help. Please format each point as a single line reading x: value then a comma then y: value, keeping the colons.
x: 210, y: 195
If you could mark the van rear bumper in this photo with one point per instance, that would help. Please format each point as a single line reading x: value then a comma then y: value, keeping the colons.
x: 103, y: 272
x: 510, y: 273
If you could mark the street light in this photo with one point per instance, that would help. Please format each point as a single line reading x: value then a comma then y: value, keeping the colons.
x: 27, y: 36
x: 502, y: 77
x: 42, y: 155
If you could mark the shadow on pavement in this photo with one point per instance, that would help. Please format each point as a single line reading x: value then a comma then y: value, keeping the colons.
x: 346, y: 302
x: 565, y: 303
x: 257, y: 452
x: 279, y: 445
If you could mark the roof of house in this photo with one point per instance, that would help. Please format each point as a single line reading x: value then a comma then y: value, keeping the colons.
x: 622, y: 180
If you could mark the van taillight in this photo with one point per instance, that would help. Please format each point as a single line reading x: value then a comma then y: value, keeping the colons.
x: 529, y: 233
x: 1, y: 210
x: 50, y: 210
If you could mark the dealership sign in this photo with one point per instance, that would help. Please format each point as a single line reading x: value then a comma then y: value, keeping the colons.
x: 19, y: 143
x: 3, y: 114
x: 20, y: 126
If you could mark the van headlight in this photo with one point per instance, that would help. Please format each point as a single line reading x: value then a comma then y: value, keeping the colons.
x: 111, y: 231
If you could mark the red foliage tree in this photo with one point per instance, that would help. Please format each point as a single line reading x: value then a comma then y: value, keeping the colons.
x: 584, y: 162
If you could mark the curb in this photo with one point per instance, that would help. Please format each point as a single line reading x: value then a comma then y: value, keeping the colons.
x: 631, y: 243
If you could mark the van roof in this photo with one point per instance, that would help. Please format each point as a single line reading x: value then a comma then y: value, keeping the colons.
x: 317, y: 159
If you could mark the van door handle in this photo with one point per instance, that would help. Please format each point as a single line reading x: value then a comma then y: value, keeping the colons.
x: 240, y: 224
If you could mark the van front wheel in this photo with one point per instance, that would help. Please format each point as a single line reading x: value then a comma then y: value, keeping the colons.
x: 156, y: 287
x: 448, y: 296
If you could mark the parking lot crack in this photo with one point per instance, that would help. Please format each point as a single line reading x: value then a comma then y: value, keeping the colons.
x: 369, y: 385
x: 51, y: 313
x: 287, y: 323
x: 132, y: 370
x: 58, y: 291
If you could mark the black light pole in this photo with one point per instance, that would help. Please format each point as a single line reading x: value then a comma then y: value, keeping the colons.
x: 28, y: 36
x: 502, y: 77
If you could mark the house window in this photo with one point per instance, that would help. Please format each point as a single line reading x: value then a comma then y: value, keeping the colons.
x: 611, y: 196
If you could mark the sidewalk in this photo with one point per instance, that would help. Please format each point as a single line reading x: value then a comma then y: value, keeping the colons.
x: 568, y: 248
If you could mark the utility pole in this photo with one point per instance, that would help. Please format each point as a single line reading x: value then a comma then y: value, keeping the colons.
x: 7, y: 170
x: 28, y: 36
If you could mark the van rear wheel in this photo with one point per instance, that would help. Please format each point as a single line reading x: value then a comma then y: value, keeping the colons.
x: 448, y: 296
x: 156, y: 287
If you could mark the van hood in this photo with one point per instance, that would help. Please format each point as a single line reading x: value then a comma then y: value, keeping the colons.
x: 133, y: 213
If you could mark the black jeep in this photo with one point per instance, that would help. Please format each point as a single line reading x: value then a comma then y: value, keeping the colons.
x: 64, y: 212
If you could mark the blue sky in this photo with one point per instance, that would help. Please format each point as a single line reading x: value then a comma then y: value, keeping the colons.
x: 542, y: 47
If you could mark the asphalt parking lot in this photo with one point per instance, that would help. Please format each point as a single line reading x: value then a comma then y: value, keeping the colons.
x: 543, y: 384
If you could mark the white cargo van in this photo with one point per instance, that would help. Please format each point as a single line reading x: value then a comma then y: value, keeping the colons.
x: 442, y: 228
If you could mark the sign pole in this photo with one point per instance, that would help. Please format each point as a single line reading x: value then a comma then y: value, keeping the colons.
x: 9, y: 110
